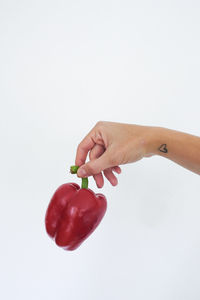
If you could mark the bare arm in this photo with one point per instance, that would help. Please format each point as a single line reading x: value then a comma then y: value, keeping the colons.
x: 111, y: 144
x: 180, y: 147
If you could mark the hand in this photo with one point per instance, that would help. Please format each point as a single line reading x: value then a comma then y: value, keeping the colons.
x: 109, y: 145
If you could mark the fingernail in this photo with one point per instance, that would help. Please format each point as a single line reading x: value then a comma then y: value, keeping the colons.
x: 81, y: 172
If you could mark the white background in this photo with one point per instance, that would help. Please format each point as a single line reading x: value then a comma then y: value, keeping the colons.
x: 64, y: 65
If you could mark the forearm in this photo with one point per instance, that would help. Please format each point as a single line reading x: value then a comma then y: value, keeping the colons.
x: 182, y: 148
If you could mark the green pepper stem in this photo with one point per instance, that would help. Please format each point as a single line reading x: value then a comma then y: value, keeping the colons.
x: 84, y: 184
x: 73, y: 170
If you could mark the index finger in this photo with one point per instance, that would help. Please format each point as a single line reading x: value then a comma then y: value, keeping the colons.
x: 83, y: 148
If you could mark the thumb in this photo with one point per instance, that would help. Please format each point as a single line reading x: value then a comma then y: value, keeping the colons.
x: 95, y: 166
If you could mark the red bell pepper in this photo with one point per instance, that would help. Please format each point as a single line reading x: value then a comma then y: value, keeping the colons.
x: 74, y: 213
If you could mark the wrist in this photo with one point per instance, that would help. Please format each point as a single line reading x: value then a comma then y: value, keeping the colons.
x: 156, y: 141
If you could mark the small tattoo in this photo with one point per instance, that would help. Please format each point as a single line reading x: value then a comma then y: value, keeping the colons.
x: 163, y: 148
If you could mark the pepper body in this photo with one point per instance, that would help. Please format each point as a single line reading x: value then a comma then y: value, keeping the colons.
x: 73, y: 214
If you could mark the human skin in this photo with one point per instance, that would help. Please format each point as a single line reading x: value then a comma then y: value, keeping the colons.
x: 112, y: 144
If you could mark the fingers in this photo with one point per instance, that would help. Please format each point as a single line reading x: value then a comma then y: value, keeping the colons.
x: 101, y: 159
x: 94, y: 167
x: 97, y: 151
x: 99, y: 180
x: 117, y: 169
x: 110, y: 176
x: 84, y: 147
x: 92, y: 138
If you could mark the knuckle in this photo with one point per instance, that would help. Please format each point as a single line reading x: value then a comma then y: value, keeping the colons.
x: 100, y: 123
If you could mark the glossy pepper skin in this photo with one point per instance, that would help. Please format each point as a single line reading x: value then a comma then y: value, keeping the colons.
x: 73, y: 214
